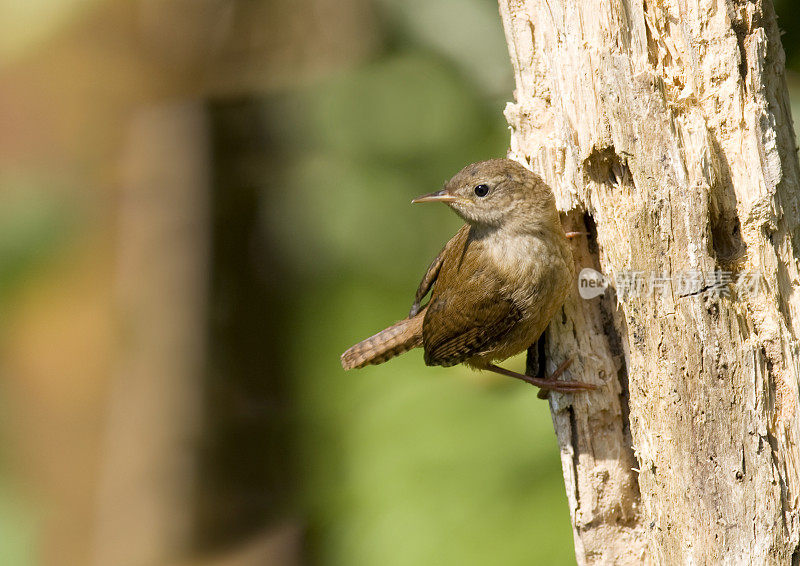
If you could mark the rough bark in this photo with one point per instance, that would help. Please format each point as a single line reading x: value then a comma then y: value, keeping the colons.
x: 664, y: 128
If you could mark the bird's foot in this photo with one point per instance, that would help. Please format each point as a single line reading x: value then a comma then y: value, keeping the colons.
x: 545, y: 393
x: 549, y: 384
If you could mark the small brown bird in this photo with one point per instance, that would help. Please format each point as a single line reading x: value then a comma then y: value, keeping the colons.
x: 495, y: 285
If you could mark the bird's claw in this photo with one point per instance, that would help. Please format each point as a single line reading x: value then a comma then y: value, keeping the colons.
x: 567, y: 386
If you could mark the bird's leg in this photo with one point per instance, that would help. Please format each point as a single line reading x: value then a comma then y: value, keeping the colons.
x: 545, y: 393
x: 550, y: 383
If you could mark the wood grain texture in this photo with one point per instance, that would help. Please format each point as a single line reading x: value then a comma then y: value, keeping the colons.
x: 666, y: 125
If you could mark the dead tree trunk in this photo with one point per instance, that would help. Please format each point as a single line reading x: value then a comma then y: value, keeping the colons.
x: 664, y: 128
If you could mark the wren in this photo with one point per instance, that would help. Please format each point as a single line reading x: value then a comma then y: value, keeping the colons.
x: 496, y: 284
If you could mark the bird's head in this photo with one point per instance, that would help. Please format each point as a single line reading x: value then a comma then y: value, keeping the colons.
x: 499, y: 193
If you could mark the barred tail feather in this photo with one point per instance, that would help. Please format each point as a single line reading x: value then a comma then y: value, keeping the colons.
x: 386, y: 344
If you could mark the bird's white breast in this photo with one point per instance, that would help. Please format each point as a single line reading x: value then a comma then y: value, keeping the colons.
x: 536, y: 268
x: 516, y: 255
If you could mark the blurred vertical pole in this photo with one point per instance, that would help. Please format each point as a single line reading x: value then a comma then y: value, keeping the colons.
x: 249, y: 483
x: 147, y: 472
x: 248, y: 478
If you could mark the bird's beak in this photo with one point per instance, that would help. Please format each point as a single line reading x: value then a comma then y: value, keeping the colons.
x: 438, y: 196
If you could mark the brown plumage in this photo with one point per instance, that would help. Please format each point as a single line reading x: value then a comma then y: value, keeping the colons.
x: 398, y: 338
x: 495, y: 285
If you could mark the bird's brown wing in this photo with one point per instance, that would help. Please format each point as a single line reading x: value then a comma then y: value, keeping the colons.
x: 468, y: 312
x: 433, y: 271
x: 425, y: 285
x: 454, y: 333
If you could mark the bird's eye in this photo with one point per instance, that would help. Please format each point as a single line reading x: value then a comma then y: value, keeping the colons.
x: 481, y: 190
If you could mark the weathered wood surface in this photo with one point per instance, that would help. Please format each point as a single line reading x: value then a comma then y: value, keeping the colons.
x: 666, y: 125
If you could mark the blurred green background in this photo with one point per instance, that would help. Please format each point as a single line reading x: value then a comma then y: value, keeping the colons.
x: 203, y: 204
